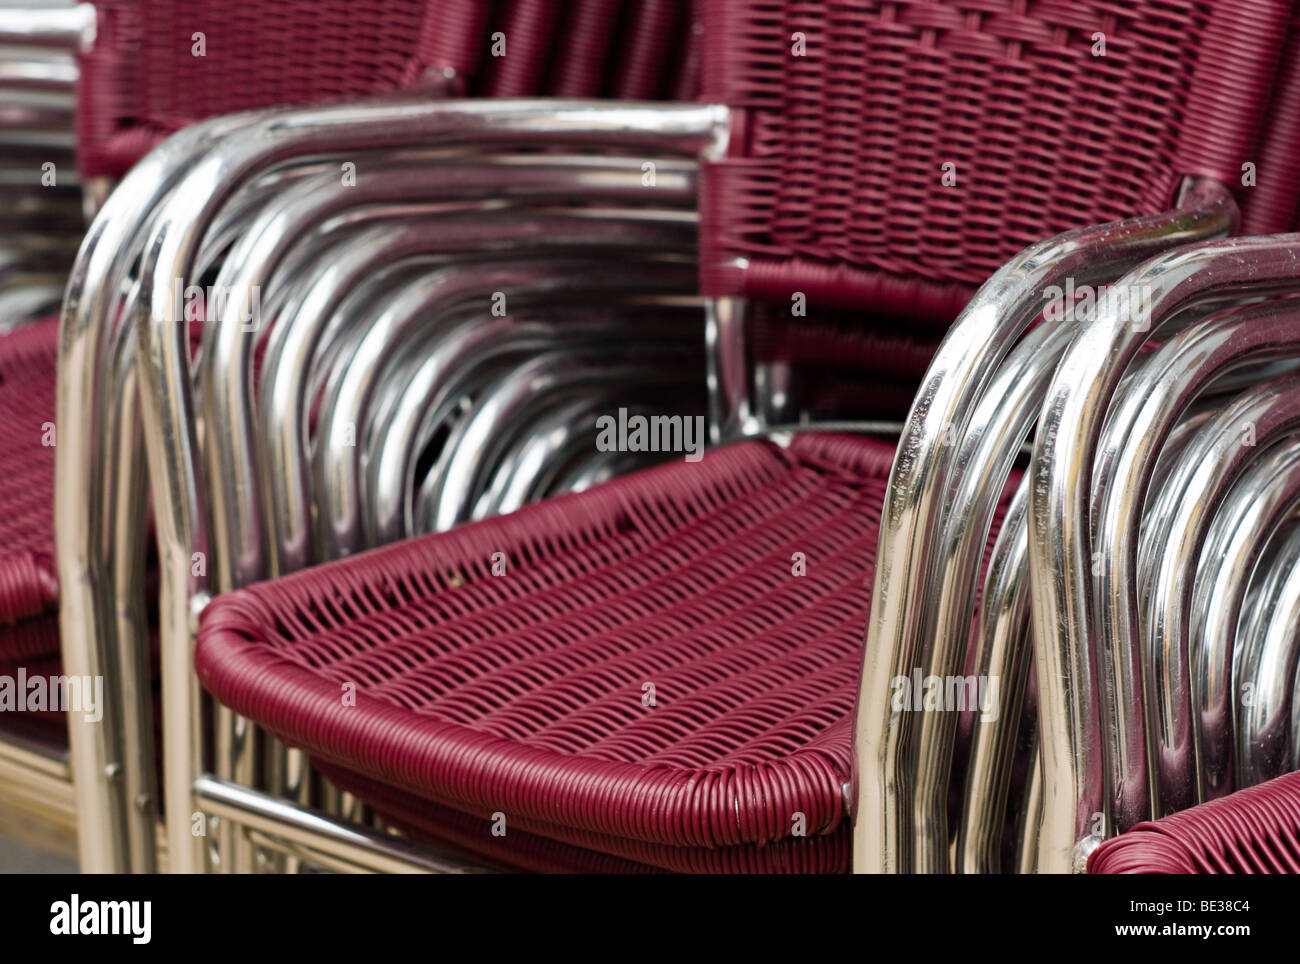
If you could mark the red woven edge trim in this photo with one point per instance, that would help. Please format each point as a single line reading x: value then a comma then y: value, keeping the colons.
x: 1256, y: 830
x: 548, y: 848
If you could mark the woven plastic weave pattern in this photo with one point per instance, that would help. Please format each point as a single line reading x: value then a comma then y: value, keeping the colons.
x: 524, y: 692
x: 143, y: 79
x: 836, y: 181
x: 1251, y: 831
x: 28, y: 584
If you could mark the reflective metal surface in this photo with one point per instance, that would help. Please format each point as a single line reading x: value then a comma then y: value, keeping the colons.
x: 962, y: 367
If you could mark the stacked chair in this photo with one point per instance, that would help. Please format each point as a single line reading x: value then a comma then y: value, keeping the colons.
x: 89, y: 89
x: 1131, y: 548
x: 348, y: 361
x: 422, y: 203
x: 659, y: 671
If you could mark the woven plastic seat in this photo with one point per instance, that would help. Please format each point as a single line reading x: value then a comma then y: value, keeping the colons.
x: 523, y: 693
x: 1252, y: 831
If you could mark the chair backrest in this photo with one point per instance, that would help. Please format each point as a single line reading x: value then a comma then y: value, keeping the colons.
x: 159, y: 65
x: 895, y: 154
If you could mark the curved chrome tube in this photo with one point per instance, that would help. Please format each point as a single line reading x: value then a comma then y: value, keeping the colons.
x: 544, y: 448
x: 478, y: 442
x: 445, y: 367
x: 1264, y: 675
x: 312, y: 328
x: 1143, y: 415
x: 336, y: 465
x: 1031, y: 814
x: 557, y: 453
x: 1003, y: 654
x: 962, y: 366
x: 1161, y: 498
x: 993, y: 435
x: 93, y: 493
x: 1060, y: 550
x: 1248, y: 521
x: 237, y: 519
x: 91, y: 589
x: 574, y: 467
x: 1210, y: 466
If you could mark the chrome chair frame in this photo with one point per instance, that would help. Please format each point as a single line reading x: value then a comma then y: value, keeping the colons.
x: 481, y: 439
x: 168, y: 202
x: 1270, y: 409
x: 350, y: 387
x: 1142, y: 417
x: 1239, y: 695
x: 450, y: 367
x: 1065, y: 453
x: 1265, y: 664
x: 961, y: 370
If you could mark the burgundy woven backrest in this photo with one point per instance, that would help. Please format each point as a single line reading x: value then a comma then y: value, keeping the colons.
x: 143, y: 80
x: 852, y: 109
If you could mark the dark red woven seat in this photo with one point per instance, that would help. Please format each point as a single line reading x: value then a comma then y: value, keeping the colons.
x: 1251, y: 831
x: 522, y: 693
x: 28, y: 583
